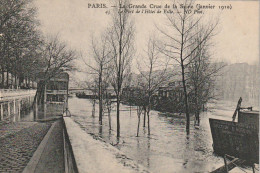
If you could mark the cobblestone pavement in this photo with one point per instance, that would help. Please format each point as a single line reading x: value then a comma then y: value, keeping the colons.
x: 7, y: 129
x: 18, y: 146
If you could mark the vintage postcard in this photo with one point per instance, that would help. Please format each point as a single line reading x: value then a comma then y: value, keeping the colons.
x: 129, y: 86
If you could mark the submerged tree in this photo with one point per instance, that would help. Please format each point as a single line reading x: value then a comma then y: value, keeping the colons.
x: 121, y: 41
x: 180, y: 45
x: 201, y: 75
x: 93, y: 87
x: 109, y: 106
x: 152, y: 79
x: 101, y: 56
x: 139, y: 111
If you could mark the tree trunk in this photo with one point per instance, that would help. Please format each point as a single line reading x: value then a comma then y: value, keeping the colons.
x: 148, y: 121
x: 19, y: 80
x: 26, y: 81
x: 130, y: 109
x: 196, y: 107
x: 144, y: 117
x: 12, y: 81
x: 100, y: 108
x: 109, y: 119
x: 7, y: 78
x: 100, y: 93
x: 139, y: 112
x: 148, y: 110
x: 35, y: 109
x: 15, y: 80
x: 137, y: 134
x: 185, y: 99
x: 93, y: 108
x: 3, y: 76
x: 39, y: 92
x: 198, y: 116
x: 118, y: 117
x: 29, y: 81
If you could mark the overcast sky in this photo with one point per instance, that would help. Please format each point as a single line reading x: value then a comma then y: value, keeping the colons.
x: 236, y: 42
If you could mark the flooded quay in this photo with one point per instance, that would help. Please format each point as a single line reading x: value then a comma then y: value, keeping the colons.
x: 20, y: 109
x: 168, y: 148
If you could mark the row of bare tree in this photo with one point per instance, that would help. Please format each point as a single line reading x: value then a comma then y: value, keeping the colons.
x: 24, y: 50
x: 183, y: 50
x: 112, y: 54
x: 18, y: 40
x: 25, y: 53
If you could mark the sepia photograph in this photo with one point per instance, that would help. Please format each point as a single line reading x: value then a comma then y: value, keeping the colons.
x: 120, y: 86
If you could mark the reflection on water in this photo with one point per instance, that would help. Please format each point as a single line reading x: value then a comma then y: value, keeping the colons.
x: 20, y: 109
x: 48, y: 110
x: 16, y: 109
x: 168, y: 149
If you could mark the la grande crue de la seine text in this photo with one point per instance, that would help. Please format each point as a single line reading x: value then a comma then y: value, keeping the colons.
x: 156, y: 6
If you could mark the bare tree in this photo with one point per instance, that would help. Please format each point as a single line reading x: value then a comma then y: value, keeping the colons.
x: 139, y: 112
x: 153, y: 78
x: 109, y: 106
x: 57, y: 58
x: 121, y: 40
x: 201, y: 75
x: 178, y: 42
x: 136, y: 95
x: 93, y: 87
x: 101, y: 55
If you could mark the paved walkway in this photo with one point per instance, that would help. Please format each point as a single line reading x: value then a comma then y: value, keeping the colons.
x: 18, y: 143
x: 10, y: 128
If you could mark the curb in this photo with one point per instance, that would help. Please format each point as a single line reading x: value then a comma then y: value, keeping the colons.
x: 31, y: 166
x: 69, y: 158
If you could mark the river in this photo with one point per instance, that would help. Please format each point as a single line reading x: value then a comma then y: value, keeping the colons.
x: 168, y: 148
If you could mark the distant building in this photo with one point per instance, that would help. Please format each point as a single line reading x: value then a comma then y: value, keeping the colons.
x: 172, y: 89
x: 56, y: 89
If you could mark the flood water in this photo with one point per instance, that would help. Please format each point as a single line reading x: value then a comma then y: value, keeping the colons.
x: 168, y: 148
x: 16, y: 109
x: 19, y: 109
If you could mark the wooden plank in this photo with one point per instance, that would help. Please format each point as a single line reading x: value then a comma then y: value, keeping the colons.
x: 237, y: 108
